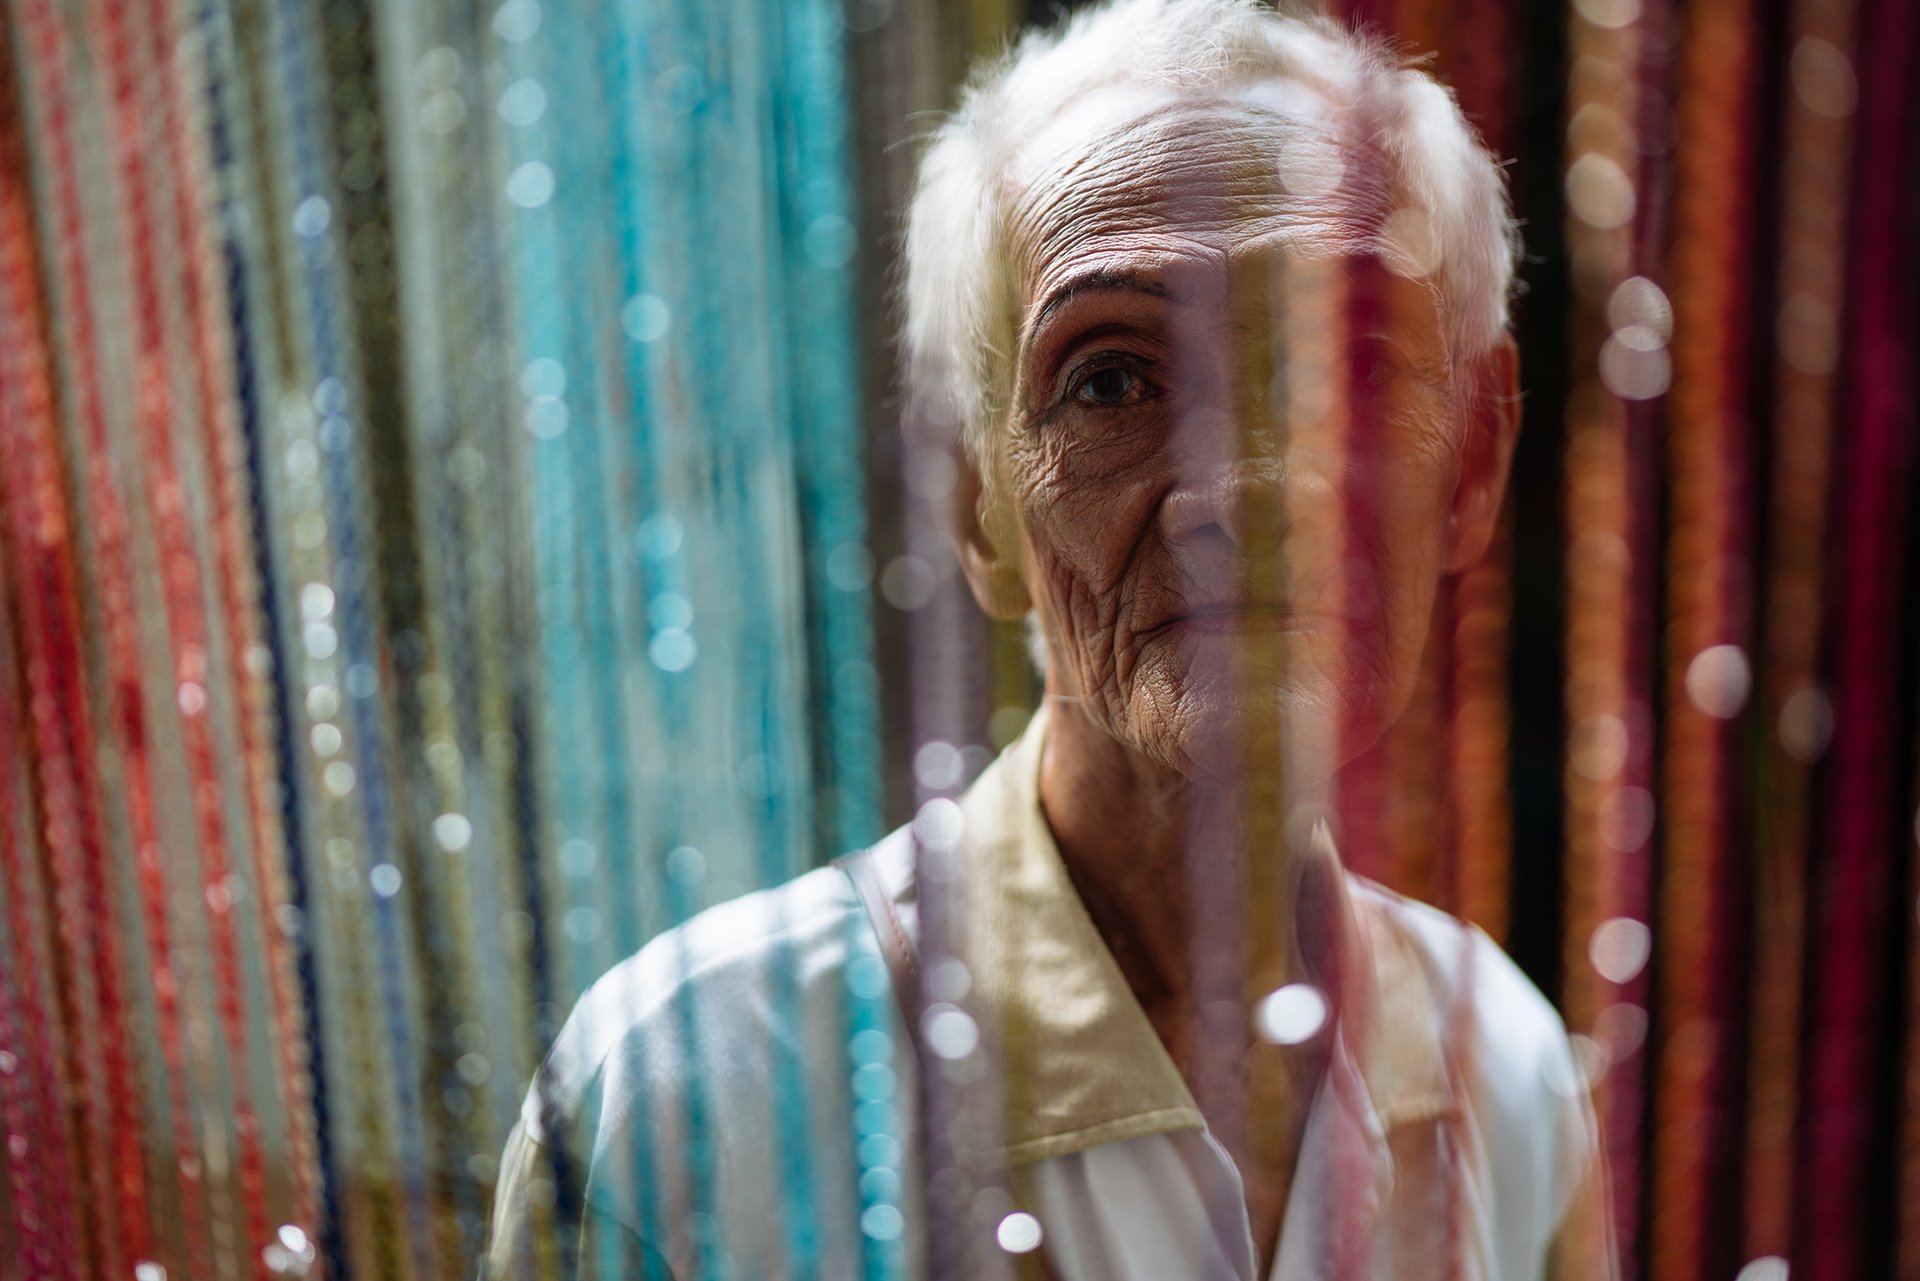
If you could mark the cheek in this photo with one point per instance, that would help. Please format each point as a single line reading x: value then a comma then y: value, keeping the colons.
x: 1085, y: 514
x: 1399, y: 485
x: 1398, y: 524
x: 1402, y: 511
x: 1084, y: 507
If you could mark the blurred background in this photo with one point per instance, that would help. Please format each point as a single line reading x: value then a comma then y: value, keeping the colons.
x: 452, y: 527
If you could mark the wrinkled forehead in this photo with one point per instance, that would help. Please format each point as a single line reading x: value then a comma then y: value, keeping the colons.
x: 1194, y: 181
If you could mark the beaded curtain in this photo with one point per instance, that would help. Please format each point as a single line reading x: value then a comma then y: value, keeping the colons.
x: 453, y: 526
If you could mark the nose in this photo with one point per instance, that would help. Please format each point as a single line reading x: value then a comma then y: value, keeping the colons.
x: 1238, y: 501
x: 1246, y: 483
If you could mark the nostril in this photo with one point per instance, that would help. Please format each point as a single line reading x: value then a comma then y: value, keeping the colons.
x: 1243, y: 503
x: 1186, y: 510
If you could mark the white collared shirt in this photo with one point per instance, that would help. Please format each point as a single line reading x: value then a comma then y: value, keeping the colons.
x: 713, y: 1116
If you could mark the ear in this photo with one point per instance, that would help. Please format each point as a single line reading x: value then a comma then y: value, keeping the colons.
x: 1492, y: 428
x: 986, y: 538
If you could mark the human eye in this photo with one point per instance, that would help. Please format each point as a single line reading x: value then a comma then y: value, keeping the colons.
x: 1375, y: 360
x: 1108, y: 383
x: 1370, y: 363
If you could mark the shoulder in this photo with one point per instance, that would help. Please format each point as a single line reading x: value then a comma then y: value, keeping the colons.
x: 710, y: 1073
x: 1509, y: 1018
x: 630, y: 1033
x: 1509, y: 1051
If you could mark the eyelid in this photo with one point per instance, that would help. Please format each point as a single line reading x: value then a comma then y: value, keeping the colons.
x: 1385, y: 342
x: 1108, y: 337
x: 1423, y: 364
x: 1390, y: 355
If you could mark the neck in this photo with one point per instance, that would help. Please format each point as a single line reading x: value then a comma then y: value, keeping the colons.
x: 1187, y: 881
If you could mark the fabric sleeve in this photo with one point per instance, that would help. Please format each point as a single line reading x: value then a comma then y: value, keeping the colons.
x: 1582, y: 1247
x: 528, y: 1242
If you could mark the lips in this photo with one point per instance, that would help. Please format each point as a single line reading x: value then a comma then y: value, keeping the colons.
x: 1248, y: 617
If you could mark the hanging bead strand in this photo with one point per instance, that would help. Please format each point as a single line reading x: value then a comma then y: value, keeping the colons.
x: 1796, y: 716
x: 1610, y: 468
x: 45, y: 1174
x: 1708, y: 674
x: 183, y: 579
x: 116, y: 1146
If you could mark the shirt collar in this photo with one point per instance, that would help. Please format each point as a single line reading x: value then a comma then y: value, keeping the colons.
x: 1082, y: 1064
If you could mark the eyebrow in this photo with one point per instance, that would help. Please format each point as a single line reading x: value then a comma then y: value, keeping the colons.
x: 1096, y: 282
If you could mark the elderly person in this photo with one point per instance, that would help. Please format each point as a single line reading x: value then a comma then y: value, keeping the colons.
x: 1209, y: 304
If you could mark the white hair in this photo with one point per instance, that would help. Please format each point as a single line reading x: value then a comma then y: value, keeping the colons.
x: 958, y: 286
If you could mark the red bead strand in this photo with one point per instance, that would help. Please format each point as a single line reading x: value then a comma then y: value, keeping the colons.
x: 108, y: 530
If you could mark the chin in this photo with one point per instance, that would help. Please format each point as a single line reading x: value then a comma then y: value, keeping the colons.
x: 1293, y: 715
x: 1294, y: 735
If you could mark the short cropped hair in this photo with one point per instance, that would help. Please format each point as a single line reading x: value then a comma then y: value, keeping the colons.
x: 957, y: 286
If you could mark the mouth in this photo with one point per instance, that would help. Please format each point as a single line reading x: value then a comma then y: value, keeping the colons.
x: 1244, y: 617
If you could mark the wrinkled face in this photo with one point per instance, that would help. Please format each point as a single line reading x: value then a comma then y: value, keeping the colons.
x: 1234, y: 432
